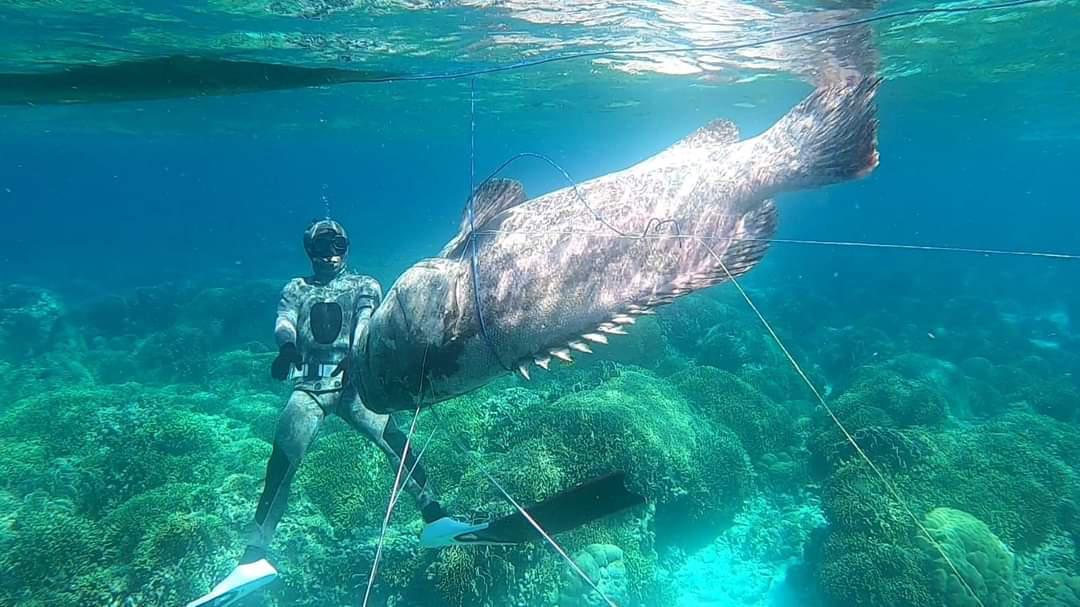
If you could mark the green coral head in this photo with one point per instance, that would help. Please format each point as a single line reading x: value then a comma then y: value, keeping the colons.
x: 974, y: 553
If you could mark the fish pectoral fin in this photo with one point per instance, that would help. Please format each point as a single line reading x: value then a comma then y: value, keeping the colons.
x: 491, y: 198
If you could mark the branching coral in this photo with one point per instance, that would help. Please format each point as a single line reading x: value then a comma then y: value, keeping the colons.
x: 455, y: 574
x: 1058, y: 398
x: 49, y: 546
x: 21, y: 464
x: 1057, y: 589
x: 760, y: 424
x: 854, y: 499
x: 180, y: 354
x: 888, y: 448
x: 908, y: 402
x: 857, y: 570
x: 150, y: 447
x: 687, y: 321
x: 349, y: 480
x: 1012, y: 485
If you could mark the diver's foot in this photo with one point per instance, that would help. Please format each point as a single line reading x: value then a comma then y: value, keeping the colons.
x: 245, y: 579
x: 450, y: 532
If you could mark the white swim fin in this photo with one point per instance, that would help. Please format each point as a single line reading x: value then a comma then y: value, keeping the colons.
x: 449, y: 532
x: 243, y: 580
x: 571, y: 509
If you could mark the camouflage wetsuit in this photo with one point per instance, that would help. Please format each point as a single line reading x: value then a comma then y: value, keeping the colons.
x: 322, y: 320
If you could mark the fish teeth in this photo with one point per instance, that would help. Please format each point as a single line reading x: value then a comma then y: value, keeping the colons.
x: 542, y: 362
x: 580, y: 346
x: 596, y: 338
x: 562, y: 354
x: 523, y: 370
x: 611, y: 329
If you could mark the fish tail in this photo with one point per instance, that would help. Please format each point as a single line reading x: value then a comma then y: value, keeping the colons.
x: 831, y: 136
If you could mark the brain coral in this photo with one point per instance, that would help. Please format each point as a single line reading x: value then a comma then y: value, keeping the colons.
x: 605, y: 567
x: 979, y: 556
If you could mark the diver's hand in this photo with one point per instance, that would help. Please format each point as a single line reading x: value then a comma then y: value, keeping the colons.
x: 287, y: 356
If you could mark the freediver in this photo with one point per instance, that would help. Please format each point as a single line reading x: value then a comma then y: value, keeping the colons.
x: 318, y: 319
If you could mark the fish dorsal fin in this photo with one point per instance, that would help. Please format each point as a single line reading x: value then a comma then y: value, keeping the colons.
x: 715, y: 135
x: 491, y: 198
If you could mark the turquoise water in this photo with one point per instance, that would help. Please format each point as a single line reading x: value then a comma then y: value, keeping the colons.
x: 146, y: 242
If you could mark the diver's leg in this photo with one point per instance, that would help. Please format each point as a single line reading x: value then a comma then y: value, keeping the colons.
x: 440, y: 529
x: 296, y: 429
x: 382, y: 431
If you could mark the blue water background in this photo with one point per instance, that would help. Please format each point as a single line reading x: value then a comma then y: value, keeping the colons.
x: 87, y: 211
x: 102, y: 199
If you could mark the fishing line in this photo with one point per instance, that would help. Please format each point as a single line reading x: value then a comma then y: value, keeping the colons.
x: 523, y: 512
x: 657, y: 223
x: 474, y: 261
x: 531, y: 63
x: 416, y: 464
x: 567, y: 57
x: 397, y: 488
x: 775, y: 337
x: 654, y: 223
x: 851, y: 439
x: 922, y: 247
x: 397, y: 479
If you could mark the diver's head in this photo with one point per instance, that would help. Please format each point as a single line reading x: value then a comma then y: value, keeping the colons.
x: 327, y: 245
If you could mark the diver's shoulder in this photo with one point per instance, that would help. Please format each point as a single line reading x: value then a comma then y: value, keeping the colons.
x: 296, y: 284
x: 361, y: 279
x: 363, y: 283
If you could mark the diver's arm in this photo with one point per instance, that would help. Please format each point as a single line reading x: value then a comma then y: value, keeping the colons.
x: 285, y: 333
x: 368, y: 298
x: 288, y: 312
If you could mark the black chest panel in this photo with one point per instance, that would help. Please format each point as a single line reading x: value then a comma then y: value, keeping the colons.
x: 326, y: 320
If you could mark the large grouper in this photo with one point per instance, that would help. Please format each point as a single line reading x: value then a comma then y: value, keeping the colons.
x: 530, y: 281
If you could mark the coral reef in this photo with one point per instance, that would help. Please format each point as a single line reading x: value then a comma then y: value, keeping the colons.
x: 604, y: 566
x: 1055, y: 590
x: 982, y: 561
x: 761, y: 425
x: 907, y: 402
x: 349, y: 480
x: 30, y: 321
x: 134, y: 441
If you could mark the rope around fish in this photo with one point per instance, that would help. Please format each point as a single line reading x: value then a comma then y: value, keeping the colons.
x: 704, y: 241
x: 774, y: 336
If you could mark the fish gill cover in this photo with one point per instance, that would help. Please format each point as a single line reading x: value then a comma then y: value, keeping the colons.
x: 879, y: 408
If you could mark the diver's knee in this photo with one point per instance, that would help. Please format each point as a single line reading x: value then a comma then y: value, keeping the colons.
x: 297, y: 426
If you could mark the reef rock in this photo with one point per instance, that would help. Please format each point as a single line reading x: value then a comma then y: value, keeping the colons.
x: 29, y: 321
x: 604, y: 565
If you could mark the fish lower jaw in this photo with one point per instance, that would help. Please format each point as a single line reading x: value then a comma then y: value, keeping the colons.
x: 583, y: 344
